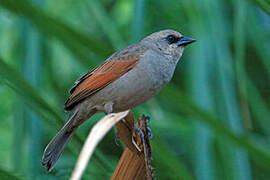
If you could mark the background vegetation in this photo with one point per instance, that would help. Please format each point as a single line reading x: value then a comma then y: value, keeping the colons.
x: 212, y: 120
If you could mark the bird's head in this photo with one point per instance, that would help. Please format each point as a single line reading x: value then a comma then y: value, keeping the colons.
x: 168, y: 42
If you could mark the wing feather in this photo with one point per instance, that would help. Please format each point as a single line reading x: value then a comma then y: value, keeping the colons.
x: 99, y: 78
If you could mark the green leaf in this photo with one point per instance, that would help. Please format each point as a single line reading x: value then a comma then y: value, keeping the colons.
x: 17, y: 82
x: 5, y: 175
x: 138, y: 18
x: 78, y: 44
x: 256, y: 152
x: 168, y: 163
x: 106, y: 23
x: 53, y: 118
x: 264, y: 4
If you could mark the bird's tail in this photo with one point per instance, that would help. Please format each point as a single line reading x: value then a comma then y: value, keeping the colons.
x: 56, y: 146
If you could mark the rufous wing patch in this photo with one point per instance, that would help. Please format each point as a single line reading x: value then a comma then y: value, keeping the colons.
x: 100, y: 77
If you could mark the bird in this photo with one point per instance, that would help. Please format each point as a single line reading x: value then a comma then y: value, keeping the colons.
x: 127, y: 79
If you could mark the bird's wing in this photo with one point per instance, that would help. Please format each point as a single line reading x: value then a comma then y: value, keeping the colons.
x: 100, y: 77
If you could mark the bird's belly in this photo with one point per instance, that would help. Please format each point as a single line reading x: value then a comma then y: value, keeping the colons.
x: 129, y: 91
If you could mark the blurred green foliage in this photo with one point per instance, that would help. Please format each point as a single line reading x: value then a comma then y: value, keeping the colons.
x: 210, y: 122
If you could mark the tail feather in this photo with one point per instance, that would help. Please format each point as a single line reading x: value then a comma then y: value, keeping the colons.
x: 55, y: 148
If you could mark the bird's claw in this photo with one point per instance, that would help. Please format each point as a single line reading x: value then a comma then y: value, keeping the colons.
x: 149, y: 132
x: 116, y: 140
x: 139, y: 130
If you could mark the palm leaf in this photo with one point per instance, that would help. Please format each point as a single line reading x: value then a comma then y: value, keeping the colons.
x: 79, y: 44
x: 5, y: 175
x: 256, y: 152
x: 31, y: 96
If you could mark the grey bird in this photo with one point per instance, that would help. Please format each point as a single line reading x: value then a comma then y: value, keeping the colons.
x: 125, y: 80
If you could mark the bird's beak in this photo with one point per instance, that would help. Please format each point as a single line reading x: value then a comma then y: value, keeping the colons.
x: 183, y: 41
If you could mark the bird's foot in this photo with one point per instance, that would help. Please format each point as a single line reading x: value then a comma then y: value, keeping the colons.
x: 142, y: 134
x: 149, y: 132
x: 134, y: 141
x: 116, y: 140
x: 139, y: 130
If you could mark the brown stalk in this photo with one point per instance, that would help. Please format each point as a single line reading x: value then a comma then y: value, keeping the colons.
x: 134, y: 163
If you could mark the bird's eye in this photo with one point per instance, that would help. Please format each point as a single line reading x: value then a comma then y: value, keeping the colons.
x: 172, y: 39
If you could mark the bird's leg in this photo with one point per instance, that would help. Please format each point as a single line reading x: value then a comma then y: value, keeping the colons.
x: 116, y: 140
x: 149, y: 131
x: 139, y: 130
x: 147, y: 118
x: 142, y: 133
x: 108, y: 107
